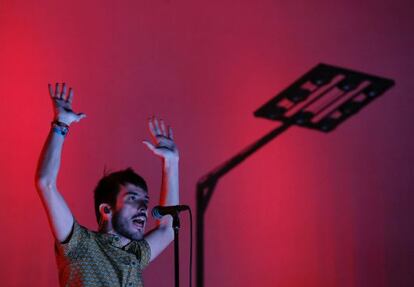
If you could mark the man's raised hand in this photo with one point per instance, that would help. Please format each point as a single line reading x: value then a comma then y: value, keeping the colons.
x: 62, y: 104
x: 163, y: 144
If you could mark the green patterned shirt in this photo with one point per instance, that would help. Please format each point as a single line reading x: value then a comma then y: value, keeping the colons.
x: 90, y: 258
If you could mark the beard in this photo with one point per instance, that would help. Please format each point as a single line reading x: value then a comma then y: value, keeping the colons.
x: 123, y: 227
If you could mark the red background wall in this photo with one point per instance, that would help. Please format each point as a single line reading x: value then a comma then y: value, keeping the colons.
x: 309, y: 209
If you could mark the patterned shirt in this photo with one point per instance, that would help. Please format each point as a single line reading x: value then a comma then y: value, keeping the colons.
x: 90, y: 258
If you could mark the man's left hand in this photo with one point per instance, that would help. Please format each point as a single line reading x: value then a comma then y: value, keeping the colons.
x: 163, y: 144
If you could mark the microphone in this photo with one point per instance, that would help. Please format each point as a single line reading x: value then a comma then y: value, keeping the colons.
x: 159, y: 211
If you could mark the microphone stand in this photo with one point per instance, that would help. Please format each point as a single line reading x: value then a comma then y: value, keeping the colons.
x: 176, y: 227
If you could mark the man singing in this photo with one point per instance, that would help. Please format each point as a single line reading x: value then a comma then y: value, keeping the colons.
x: 117, y: 253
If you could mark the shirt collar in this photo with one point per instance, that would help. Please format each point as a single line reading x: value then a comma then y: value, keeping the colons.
x: 115, y: 240
x: 112, y: 239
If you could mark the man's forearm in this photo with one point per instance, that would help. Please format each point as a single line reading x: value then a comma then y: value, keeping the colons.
x: 49, y: 161
x: 170, y: 183
x: 169, y: 187
x: 169, y: 196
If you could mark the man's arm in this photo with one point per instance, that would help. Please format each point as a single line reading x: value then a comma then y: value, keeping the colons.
x: 58, y: 212
x: 164, y: 147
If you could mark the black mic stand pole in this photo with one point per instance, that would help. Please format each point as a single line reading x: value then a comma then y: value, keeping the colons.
x: 357, y: 90
x: 176, y: 227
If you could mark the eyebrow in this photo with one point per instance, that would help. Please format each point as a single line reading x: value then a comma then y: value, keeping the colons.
x: 146, y: 197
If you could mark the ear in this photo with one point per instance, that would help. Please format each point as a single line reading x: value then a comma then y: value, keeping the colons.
x: 106, y: 211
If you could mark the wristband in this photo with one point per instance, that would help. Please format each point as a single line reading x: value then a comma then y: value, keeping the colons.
x: 60, y: 128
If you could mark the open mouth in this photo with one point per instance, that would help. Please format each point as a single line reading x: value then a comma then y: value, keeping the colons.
x: 139, y: 222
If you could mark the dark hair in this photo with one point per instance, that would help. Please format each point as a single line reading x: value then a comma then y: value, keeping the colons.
x: 108, y: 187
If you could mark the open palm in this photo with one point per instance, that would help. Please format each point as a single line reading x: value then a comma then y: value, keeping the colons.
x: 163, y: 144
x: 62, y: 104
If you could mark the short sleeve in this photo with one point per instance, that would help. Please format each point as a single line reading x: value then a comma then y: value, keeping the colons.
x: 71, y: 246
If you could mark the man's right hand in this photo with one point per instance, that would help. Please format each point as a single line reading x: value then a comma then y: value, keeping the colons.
x: 62, y: 104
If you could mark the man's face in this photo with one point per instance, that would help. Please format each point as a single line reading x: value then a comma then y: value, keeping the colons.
x: 130, y: 215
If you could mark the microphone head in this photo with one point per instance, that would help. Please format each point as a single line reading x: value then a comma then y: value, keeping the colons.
x: 159, y: 211
x: 155, y: 213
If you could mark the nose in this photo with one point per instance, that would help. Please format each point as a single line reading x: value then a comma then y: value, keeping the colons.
x: 142, y: 207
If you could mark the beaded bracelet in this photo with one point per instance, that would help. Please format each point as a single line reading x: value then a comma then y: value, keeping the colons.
x: 60, y: 128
